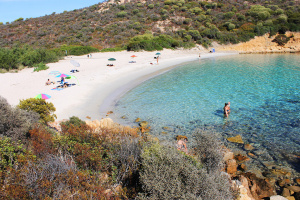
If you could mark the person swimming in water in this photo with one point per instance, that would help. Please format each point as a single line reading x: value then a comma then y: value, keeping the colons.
x: 226, y: 109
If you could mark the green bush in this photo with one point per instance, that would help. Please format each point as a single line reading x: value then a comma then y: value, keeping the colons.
x: 73, y: 121
x: 44, y: 109
x: 7, y: 59
x: 79, y: 50
x: 259, y: 12
x: 229, y: 15
x: 281, y: 39
x: 39, y: 67
x: 9, y: 153
x: 230, y: 26
x: 113, y: 49
x: 26, y: 56
x: 121, y: 14
x: 149, y: 42
x: 151, y: 6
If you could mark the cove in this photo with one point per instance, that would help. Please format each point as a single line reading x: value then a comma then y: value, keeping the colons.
x: 264, y: 91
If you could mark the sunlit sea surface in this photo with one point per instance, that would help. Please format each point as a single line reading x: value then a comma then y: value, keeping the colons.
x: 264, y: 91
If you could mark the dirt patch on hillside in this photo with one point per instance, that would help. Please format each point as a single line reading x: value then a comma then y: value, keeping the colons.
x: 265, y: 44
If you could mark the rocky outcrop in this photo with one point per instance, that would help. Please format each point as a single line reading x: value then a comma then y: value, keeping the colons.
x: 265, y: 44
x: 260, y: 188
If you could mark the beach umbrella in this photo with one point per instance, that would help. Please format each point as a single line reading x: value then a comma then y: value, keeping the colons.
x: 75, y: 63
x: 62, y: 75
x: 42, y: 96
x: 72, y: 77
x: 111, y: 59
x: 55, y: 73
x: 133, y: 56
x: 157, y: 53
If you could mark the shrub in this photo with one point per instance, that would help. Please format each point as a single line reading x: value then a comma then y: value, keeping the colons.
x: 75, y: 121
x: 209, y: 147
x: 40, y: 106
x: 281, y: 39
x: 113, y: 49
x: 127, y: 160
x: 121, y: 14
x: 230, y: 26
x: 135, y: 11
x: 41, y: 141
x: 39, y: 67
x: 151, y: 6
x: 259, y: 12
x: 78, y: 50
x: 8, y: 59
x: 49, y: 177
x: 282, y: 18
x: 171, y: 174
x: 15, y: 122
x: 149, y: 42
x: 19, y: 19
x: 229, y: 15
x: 8, y: 153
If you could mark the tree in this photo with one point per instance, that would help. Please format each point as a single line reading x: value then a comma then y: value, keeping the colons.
x: 40, y: 106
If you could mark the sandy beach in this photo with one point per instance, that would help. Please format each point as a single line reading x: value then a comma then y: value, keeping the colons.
x: 98, y: 86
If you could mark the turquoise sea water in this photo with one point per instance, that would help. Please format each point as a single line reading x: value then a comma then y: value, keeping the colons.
x: 264, y: 91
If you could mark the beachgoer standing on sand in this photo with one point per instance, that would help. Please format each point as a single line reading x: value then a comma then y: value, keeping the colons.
x: 226, y: 109
x: 181, y: 144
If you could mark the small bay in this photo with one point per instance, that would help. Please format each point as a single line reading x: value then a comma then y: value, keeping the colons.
x: 264, y: 91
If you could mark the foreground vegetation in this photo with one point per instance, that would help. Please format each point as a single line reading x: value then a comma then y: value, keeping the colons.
x: 37, y: 162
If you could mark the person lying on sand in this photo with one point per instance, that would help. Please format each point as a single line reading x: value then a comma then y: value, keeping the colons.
x: 65, y: 85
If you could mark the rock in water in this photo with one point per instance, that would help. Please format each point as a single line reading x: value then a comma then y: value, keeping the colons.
x: 236, y: 139
x: 143, y: 124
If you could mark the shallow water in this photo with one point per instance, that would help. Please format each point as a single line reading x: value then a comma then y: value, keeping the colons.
x: 264, y: 91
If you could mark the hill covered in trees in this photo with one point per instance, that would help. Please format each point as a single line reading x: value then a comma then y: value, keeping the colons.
x: 135, y: 24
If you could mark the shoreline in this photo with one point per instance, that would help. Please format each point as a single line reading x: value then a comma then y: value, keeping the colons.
x: 98, y: 87
x: 121, y: 85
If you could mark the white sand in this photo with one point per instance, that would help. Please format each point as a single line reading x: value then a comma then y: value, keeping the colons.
x: 99, y: 85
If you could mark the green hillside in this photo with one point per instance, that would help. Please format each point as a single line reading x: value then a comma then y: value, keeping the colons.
x: 181, y: 22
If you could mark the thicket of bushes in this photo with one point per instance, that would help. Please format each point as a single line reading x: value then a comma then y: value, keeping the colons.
x: 149, y: 42
x: 13, y: 58
x: 83, y: 163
